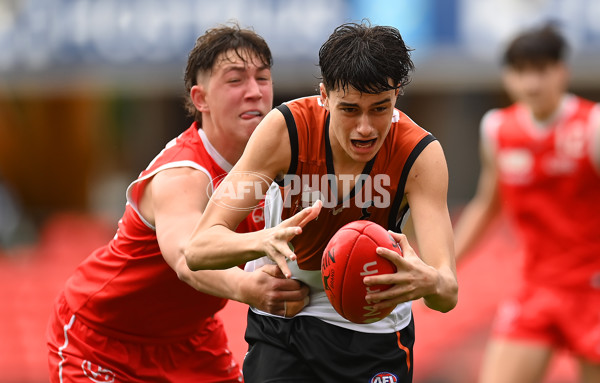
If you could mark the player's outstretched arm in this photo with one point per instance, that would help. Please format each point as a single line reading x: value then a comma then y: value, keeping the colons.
x: 265, y: 288
x: 214, y: 243
x: 173, y: 201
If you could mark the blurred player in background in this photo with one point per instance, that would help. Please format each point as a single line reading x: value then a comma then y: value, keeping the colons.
x: 541, y: 164
x: 133, y: 311
x: 350, y: 131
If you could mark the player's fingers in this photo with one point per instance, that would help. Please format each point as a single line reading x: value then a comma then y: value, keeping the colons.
x: 400, y: 238
x: 292, y: 308
x: 384, y: 304
x: 313, y: 213
x: 300, y: 293
x: 405, y: 246
x: 304, y: 216
x: 294, y: 291
x: 382, y: 279
x: 388, y: 253
x: 272, y: 270
x: 288, y: 233
x: 291, y: 289
x: 392, y: 256
x: 400, y: 291
x: 282, y: 263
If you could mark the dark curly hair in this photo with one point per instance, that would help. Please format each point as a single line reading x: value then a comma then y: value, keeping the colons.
x: 365, y: 57
x: 213, y: 43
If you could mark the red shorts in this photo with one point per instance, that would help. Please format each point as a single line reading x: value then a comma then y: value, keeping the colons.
x: 556, y: 317
x: 78, y: 353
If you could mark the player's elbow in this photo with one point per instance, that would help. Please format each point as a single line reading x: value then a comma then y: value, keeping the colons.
x: 445, y: 301
x: 193, y: 257
x: 184, y: 272
x: 193, y: 260
x: 443, y: 307
x: 448, y: 305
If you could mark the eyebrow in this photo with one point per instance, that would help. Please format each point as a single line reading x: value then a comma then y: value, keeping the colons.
x: 381, y: 102
x: 241, y: 68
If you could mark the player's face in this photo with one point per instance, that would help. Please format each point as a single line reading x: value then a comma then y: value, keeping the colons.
x: 540, y: 87
x: 359, y: 122
x: 237, y: 95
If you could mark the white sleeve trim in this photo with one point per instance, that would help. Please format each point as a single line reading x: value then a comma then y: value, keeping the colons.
x: 171, y: 165
x: 488, y: 131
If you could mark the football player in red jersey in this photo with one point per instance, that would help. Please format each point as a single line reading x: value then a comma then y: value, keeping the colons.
x: 133, y: 311
x: 541, y: 165
x: 350, y: 150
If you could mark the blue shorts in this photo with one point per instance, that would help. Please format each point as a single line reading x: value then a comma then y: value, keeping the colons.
x: 306, y: 349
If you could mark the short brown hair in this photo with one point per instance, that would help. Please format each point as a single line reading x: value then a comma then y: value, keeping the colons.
x: 213, y: 43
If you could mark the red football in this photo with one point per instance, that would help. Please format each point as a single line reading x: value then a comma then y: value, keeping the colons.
x: 348, y: 258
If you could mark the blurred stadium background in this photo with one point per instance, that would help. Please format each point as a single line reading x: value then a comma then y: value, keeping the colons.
x: 91, y: 90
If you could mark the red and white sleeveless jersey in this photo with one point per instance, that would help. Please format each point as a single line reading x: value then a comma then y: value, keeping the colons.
x: 126, y: 289
x: 550, y: 188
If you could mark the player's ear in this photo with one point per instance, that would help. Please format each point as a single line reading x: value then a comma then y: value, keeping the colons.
x: 198, y: 96
x: 324, y: 98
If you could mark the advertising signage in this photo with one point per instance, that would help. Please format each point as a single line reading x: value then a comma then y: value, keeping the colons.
x: 65, y: 38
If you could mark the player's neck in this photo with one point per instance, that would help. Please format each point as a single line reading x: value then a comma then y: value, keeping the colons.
x: 545, y: 116
x: 225, y: 147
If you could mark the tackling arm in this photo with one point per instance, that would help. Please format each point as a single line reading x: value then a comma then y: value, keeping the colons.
x: 214, y: 244
x: 174, y: 201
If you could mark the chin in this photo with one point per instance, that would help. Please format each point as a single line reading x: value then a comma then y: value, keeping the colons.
x: 363, y: 157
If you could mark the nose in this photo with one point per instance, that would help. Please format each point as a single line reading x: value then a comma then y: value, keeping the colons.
x: 253, y: 89
x: 532, y: 81
x: 363, y: 126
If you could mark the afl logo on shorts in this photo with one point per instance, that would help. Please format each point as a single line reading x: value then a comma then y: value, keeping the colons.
x: 384, y: 377
x: 96, y: 373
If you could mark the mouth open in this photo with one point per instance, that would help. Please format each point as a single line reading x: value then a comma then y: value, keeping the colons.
x: 363, y: 144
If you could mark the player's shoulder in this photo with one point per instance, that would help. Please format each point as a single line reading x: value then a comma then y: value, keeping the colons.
x: 406, y: 131
x: 304, y: 114
x: 399, y: 117
x: 306, y: 100
x: 581, y: 101
x: 494, y: 117
x: 309, y: 105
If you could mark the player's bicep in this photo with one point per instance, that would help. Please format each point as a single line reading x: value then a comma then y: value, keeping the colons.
x: 427, y: 181
x: 268, y: 150
x: 267, y: 156
x: 426, y: 191
x: 178, y: 199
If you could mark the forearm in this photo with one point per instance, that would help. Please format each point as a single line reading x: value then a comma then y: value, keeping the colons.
x: 220, y: 283
x: 445, y: 296
x: 264, y: 288
x: 220, y: 248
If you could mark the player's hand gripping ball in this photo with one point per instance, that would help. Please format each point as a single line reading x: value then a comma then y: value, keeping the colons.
x: 348, y: 258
